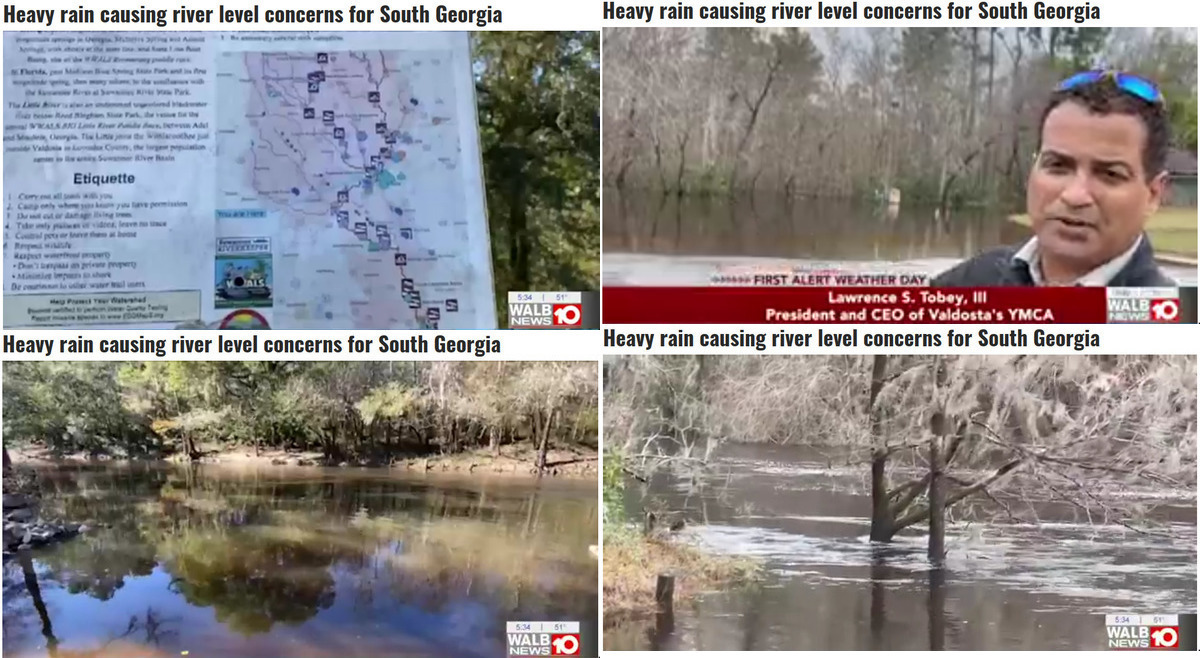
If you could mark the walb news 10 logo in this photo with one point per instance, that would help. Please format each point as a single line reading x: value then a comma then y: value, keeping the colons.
x: 1157, y: 305
x: 543, y: 638
x: 1142, y: 631
x: 546, y: 310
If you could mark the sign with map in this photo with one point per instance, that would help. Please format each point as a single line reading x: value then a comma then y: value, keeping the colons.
x: 324, y: 180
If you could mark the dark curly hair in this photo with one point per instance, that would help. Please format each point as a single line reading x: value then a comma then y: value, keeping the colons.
x: 1105, y: 97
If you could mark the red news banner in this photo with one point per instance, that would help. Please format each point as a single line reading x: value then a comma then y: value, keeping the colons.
x: 883, y: 305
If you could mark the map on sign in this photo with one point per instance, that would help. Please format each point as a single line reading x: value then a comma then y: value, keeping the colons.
x: 301, y: 181
x: 355, y: 156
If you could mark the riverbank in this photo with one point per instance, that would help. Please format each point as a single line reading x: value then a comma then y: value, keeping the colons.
x: 513, y: 460
x: 24, y: 528
x: 633, y: 562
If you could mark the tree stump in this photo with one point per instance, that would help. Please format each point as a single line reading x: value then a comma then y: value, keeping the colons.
x: 664, y: 592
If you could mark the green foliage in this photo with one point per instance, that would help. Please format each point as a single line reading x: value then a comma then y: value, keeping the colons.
x: 392, y: 401
x: 347, y: 410
x: 614, y: 489
x: 1182, y: 111
x: 69, y: 407
x: 539, y: 109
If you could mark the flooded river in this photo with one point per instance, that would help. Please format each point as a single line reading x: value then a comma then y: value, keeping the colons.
x: 651, y: 239
x: 1006, y: 586
x: 275, y: 561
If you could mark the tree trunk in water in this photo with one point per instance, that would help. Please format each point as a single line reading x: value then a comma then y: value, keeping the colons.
x: 881, y: 518
x: 936, y: 609
x: 545, y: 431
x: 682, y: 155
x: 939, y: 425
x: 35, y: 592
x: 529, y: 518
x: 937, y: 505
x: 658, y: 165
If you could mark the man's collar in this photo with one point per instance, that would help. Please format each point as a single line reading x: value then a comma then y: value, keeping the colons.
x: 1101, y: 276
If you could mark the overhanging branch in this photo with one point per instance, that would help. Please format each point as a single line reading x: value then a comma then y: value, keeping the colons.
x: 921, y: 514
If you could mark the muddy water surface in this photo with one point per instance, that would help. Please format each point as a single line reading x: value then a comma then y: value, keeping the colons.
x: 1006, y: 586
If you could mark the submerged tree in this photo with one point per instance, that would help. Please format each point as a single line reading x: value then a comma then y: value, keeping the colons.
x: 943, y: 437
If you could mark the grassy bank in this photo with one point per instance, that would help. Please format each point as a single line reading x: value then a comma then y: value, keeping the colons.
x: 633, y: 562
x: 1172, y: 231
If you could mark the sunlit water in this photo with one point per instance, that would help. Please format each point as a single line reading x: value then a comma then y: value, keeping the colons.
x: 1006, y: 585
x: 301, y: 562
x: 651, y: 239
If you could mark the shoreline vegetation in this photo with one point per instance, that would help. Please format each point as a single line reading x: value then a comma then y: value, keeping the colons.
x: 635, y: 558
x: 507, y: 417
x: 515, y: 461
x: 633, y: 562
x: 534, y: 419
x: 939, y: 113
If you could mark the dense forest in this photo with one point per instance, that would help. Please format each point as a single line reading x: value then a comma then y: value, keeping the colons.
x: 539, y: 116
x: 364, y: 411
x: 947, y: 114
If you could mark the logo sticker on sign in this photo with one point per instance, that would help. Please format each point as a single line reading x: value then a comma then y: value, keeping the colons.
x: 543, y: 638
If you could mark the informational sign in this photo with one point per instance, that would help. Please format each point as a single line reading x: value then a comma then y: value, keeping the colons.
x: 301, y: 180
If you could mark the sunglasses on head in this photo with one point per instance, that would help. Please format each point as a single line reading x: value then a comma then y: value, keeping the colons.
x: 1126, y: 82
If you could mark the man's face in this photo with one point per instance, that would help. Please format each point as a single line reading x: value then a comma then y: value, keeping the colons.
x: 1088, y: 197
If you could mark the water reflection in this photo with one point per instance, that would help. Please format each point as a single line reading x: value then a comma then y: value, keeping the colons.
x: 652, y: 239
x: 1005, y: 586
x: 300, y: 562
x: 775, y: 226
